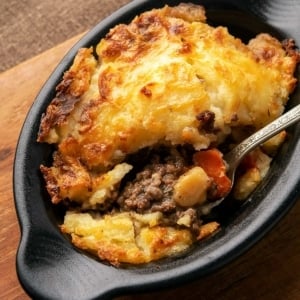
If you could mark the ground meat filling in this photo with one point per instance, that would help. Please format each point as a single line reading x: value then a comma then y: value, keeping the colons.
x: 152, y: 190
x: 207, y: 120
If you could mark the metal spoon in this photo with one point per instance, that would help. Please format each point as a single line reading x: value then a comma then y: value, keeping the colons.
x: 236, y: 155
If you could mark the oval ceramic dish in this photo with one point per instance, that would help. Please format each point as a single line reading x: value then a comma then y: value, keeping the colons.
x: 49, y: 267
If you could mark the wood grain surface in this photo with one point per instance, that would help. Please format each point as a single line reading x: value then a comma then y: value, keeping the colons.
x: 269, y: 271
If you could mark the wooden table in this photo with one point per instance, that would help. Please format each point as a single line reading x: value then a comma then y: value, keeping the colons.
x: 270, y: 270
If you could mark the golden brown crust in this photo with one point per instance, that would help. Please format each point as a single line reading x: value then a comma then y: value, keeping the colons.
x: 207, y: 230
x: 186, y: 11
x: 167, y: 78
x: 270, y: 52
x: 67, y: 180
x: 126, y: 237
x: 75, y: 82
x: 128, y: 42
x: 130, y: 49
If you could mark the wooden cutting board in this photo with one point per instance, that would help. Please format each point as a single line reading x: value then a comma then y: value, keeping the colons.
x: 270, y: 270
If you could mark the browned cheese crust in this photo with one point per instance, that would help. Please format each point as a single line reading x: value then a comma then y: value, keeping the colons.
x: 169, y: 79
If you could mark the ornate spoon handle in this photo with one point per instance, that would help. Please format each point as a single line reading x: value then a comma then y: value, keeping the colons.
x: 234, y: 157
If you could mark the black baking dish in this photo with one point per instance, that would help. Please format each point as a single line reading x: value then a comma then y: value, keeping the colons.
x: 49, y: 267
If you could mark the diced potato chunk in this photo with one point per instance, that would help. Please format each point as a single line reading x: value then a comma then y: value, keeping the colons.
x: 107, y: 183
x: 272, y: 145
x: 246, y: 184
x: 191, y: 187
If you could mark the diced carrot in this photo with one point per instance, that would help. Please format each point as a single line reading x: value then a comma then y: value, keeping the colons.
x: 211, y: 161
x: 213, y: 164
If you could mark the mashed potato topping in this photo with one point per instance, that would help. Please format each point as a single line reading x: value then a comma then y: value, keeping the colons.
x: 140, y: 129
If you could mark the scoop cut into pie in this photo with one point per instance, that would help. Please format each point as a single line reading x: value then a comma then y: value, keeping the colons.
x: 140, y: 123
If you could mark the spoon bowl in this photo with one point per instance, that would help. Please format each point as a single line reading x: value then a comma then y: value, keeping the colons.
x: 234, y: 157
